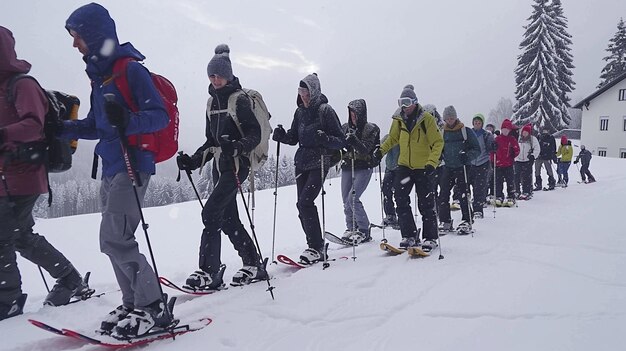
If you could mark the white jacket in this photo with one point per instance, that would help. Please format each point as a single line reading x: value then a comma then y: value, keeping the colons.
x: 525, y: 147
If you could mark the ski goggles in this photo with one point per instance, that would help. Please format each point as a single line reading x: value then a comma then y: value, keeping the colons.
x: 406, y: 102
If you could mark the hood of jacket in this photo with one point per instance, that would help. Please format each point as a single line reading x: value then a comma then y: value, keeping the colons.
x: 9, y: 63
x: 360, y: 109
x: 315, y: 90
x: 95, y: 26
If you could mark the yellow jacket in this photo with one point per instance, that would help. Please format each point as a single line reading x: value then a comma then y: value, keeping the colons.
x: 566, y: 152
x: 417, y: 148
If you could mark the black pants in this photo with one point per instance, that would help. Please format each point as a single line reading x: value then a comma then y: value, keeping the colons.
x: 505, y: 174
x: 478, y: 179
x: 388, y: 193
x: 16, y: 234
x: 452, y: 177
x: 220, y: 213
x: 584, y: 171
x: 309, y: 185
x: 405, y: 179
x: 524, y: 177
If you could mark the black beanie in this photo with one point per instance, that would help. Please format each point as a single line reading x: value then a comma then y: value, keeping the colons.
x: 220, y: 63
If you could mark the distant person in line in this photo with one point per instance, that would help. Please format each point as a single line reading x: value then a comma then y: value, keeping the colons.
x: 23, y: 181
x: 491, y: 189
x: 564, y: 159
x: 317, y: 131
x: 480, y: 170
x: 389, y: 206
x: 230, y: 151
x: 546, y: 156
x: 529, y: 151
x: 94, y: 34
x: 356, y: 170
x: 416, y: 131
x: 504, y: 157
x: 584, y: 156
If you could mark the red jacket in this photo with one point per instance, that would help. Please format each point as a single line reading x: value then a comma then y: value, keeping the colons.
x: 508, y: 149
x: 19, y: 122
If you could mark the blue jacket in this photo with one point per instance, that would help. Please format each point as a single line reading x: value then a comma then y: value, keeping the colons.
x: 94, y: 25
x: 486, y: 142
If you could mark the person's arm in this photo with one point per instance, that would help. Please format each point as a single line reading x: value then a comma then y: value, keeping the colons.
x: 474, y: 147
x: 435, y: 140
x: 249, y: 124
x: 31, y: 106
x: 151, y: 115
x: 332, y: 128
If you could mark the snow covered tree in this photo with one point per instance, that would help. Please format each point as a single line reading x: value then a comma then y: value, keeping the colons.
x: 542, y: 76
x: 616, y: 61
x: 502, y: 111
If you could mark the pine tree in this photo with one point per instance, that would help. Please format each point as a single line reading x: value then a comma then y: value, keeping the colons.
x: 562, y: 44
x: 616, y: 61
x: 539, y: 95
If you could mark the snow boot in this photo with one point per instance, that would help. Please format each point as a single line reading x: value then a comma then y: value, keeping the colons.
x: 249, y: 274
x: 143, y: 320
x: 14, y: 309
x: 390, y: 221
x: 360, y: 237
x: 311, y: 256
x: 429, y: 245
x: 405, y: 243
x: 203, y: 281
x: 445, y: 228
x: 66, y: 287
x: 114, y: 317
x: 347, y: 235
x: 464, y: 228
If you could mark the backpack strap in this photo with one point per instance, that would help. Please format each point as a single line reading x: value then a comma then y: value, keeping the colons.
x: 121, y: 81
x: 464, y: 132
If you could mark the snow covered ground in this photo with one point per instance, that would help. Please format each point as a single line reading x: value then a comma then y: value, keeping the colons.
x: 548, y: 275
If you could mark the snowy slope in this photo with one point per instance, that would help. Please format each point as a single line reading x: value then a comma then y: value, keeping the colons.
x: 545, y: 276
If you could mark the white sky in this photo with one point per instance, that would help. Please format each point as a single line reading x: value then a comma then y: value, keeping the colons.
x: 457, y: 53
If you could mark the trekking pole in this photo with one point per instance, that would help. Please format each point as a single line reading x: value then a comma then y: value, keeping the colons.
x: 494, y: 184
x: 43, y: 278
x: 382, y: 201
x: 193, y: 185
x: 275, y: 197
x: 270, y: 288
x: 469, y: 203
x: 324, y: 248
x: 353, y: 214
x: 136, y: 181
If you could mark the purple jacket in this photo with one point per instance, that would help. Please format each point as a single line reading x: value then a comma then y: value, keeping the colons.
x: 20, y: 122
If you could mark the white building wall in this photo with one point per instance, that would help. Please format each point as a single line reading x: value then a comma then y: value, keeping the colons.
x: 605, y: 105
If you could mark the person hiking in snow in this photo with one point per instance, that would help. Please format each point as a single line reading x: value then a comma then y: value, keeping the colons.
x: 584, y: 156
x: 389, y: 206
x: 504, y: 157
x: 480, y: 169
x: 317, y: 131
x: 432, y: 109
x: 460, y: 148
x: 231, y: 165
x: 490, y: 188
x: 529, y: 151
x: 416, y: 131
x: 94, y: 35
x: 23, y: 181
x: 546, y: 156
x: 564, y: 159
x: 356, y: 170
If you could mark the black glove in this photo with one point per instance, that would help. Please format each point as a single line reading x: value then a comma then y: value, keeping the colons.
x: 117, y: 114
x: 531, y: 158
x: 575, y: 162
x: 189, y: 163
x: 429, y: 170
x: 463, y: 157
x: 321, y: 138
x: 377, y: 155
x: 279, y: 134
x: 351, y: 138
x: 231, y: 148
x: 53, y: 127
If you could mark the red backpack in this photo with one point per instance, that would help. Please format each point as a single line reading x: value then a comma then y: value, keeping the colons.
x: 163, y: 143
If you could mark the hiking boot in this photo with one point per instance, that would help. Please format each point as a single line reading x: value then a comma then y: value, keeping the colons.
x: 203, y: 281
x: 143, y: 320
x: 429, y: 245
x: 360, y: 237
x: 464, y: 228
x: 405, y: 243
x: 311, y: 256
x: 14, y: 309
x: 347, y: 235
x: 71, y: 285
x: 390, y: 221
x: 478, y: 215
x: 114, y: 317
x: 249, y: 274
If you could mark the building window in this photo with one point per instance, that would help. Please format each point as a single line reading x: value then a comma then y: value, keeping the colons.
x: 624, y: 126
x: 622, y: 95
x: 622, y: 153
x: 604, y: 123
x: 602, y: 151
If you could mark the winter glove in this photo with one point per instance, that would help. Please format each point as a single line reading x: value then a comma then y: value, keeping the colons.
x: 321, y: 138
x: 429, y: 170
x: 117, y: 114
x: 188, y: 163
x: 351, y: 138
x: 377, y: 155
x: 575, y: 162
x: 463, y: 157
x: 279, y: 134
x: 531, y: 158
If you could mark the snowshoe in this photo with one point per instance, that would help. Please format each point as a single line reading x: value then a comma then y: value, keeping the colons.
x: 67, y: 287
x: 408, y: 242
x: 249, y: 274
x: 114, y: 317
x: 145, y: 319
x: 14, y: 309
x: 429, y: 245
x: 464, y: 228
x: 510, y: 202
x: 498, y: 202
x: 445, y: 228
x: 311, y: 256
x: 204, y: 281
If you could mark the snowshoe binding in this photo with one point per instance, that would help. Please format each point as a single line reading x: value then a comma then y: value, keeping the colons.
x: 204, y: 281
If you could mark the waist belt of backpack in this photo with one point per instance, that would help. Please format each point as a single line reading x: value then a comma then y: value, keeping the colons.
x: 217, y: 152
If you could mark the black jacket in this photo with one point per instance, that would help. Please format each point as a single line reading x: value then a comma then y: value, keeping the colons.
x: 367, y: 137
x: 548, y: 147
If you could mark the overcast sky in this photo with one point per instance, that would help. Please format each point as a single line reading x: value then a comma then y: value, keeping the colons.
x: 460, y: 53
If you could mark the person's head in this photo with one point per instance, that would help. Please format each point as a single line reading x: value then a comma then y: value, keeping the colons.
x: 582, y: 147
x: 545, y: 131
x: 8, y: 58
x: 478, y: 121
x: 219, y: 69
x: 408, y: 99
x: 526, y: 130
x: 490, y: 127
x: 93, y: 31
x: 309, y: 90
x: 432, y: 109
x: 449, y: 116
x: 358, y: 113
x: 507, y: 127
x: 563, y: 140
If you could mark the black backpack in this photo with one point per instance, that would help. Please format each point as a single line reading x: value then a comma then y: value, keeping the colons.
x: 55, y: 153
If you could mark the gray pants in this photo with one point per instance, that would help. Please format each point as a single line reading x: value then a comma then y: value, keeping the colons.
x: 361, y: 180
x: 548, y: 165
x: 120, y: 218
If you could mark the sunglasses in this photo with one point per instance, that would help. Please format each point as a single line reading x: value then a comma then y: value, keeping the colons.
x: 406, y: 102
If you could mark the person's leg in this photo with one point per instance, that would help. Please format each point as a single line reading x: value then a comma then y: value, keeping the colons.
x: 499, y: 182
x: 509, y: 178
x: 538, y: 181
x: 403, y: 187
x: 346, y: 196
x: 480, y: 185
x: 308, y: 190
x: 362, y: 179
x: 387, y: 189
x: 426, y: 205
x: 11, y: 289
x: 459, y: 180
x: 446, y: 182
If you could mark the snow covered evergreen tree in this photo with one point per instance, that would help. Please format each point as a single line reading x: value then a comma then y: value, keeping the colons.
x: 616, y: 61
x: 540, y: 95
x: 562, y: 44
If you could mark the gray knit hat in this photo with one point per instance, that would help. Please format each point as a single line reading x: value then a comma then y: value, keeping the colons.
x: 409, y: 91
x: 220, y: 63
x: 449, y: 112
